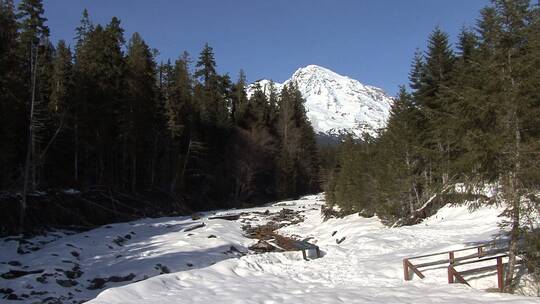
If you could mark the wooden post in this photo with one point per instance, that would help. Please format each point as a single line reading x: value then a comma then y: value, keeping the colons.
x: 318, y: 252
x: 451, y: 257
x: 500, y: 274
x: 406, y: 270
x: 480, y: 251
x: 450, y: 275
x: 304, y: 255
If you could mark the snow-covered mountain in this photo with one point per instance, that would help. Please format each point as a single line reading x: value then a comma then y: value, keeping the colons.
x: 337, y: 104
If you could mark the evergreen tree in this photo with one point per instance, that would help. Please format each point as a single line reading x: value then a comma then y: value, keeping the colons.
x: 12, y: 107
x: 206, y: 65
x: 438, y: 141
x: 214, y: 91
x: 139, y: 108
x: 297, y: 158
x: 101, y: 78
x: 62, y: 79
x: 239, y: 100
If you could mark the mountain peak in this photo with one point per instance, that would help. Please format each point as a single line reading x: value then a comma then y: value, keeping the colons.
x: 337, y: 104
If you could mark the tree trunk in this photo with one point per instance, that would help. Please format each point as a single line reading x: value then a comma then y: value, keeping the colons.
x: 76, y: 156
x: 134, y: 173
x: 30, y: 141
x: 515, y: 197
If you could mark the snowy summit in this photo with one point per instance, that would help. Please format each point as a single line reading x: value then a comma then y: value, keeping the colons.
x: 337, y: 104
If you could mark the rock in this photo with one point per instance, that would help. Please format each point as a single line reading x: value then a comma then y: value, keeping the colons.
x: 119, y: 241
x: 162, y: 269
x: 96, y: 283
x: 189, y: 265
x: 67, y: 283
x: 14, y: 263
x: 75, y: 273
x: 262, y: 246
x: 43, y: 278
x: 211, y: 236
x: 116, y: 279
x: 340, y: 240
x: 75, y: 254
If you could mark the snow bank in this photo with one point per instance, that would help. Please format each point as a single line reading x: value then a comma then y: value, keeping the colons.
x: 362, y: 263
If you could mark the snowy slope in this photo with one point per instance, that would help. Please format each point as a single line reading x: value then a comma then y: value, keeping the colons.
x: 337, y: 104
x: 74, y: 267
x: 366, y: 267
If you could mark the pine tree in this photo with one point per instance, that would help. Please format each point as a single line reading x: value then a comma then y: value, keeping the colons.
x: 61, y: 109
x: 62, y: 80
x: 297, y: 158
x: 181, y: 116
x: 12, y: 107
x: 239, y: 100
x: 214, y: 92
x: 100, y: 69
x: 439, y: 139
x: 85, y: 27
x: 139, y: 109
x: 206, y: 65
x: 36, y: 63
x: 257, y: 113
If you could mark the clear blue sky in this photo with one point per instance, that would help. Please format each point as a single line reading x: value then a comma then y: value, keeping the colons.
x: 372, y: 41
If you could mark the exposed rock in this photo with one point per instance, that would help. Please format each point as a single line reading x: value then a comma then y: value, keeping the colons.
x: 14, y: 263
x: 262, y: 246
x: 67, y: 283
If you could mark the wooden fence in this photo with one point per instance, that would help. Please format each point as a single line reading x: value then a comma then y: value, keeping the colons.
x: 481, y: 255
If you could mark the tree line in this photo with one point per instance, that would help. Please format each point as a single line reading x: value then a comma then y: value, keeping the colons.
x: 469, y: 121
x: 104, y: 112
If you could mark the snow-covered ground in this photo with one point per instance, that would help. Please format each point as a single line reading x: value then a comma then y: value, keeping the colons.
x: 361, y: 263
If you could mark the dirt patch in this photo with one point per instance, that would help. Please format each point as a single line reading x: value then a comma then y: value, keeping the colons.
x: 269, y: 239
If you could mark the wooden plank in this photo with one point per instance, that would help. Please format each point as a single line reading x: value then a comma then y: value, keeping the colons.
x: 193, y: 227
x: 478, y: 270
x: 446, y: 252
x: 481, y: 260
x: 413, y: 267
x: 500, y: 274
x: 406, y: 270
x: 458, y: 276
x: 438, y: 262
x: 228, y: 217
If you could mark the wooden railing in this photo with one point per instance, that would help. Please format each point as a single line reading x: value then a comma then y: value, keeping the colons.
x: 408, y: 265
x: 454, y: 275
x: 482, y: 255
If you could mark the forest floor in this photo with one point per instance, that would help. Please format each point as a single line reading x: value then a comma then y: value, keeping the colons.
x: 205, y: 260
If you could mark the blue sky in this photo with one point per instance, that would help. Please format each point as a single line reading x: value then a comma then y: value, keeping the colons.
x: 372, y: 41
